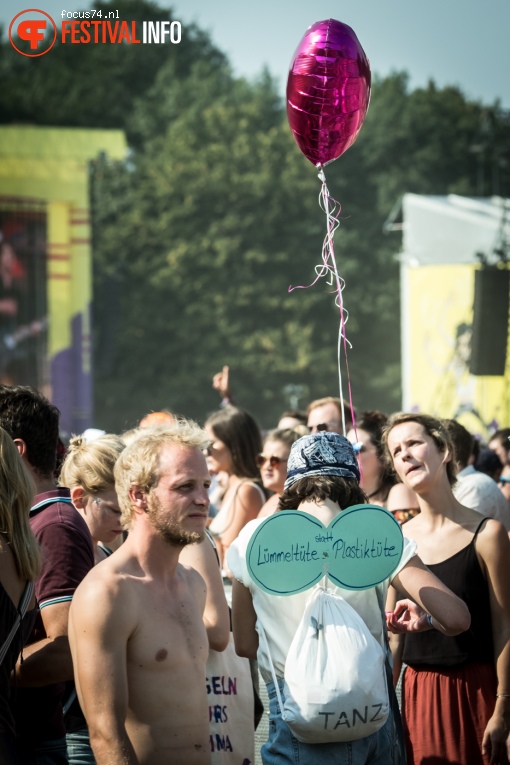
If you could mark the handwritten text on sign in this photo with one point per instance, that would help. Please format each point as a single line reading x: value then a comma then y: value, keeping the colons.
x: 293, y: 550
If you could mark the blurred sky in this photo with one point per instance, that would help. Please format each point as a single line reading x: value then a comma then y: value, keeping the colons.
x: 459, y: 42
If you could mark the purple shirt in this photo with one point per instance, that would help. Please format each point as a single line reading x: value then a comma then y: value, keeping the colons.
x: 67, y: 557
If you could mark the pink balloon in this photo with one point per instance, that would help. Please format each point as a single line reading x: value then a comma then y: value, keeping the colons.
x: 328, y: 91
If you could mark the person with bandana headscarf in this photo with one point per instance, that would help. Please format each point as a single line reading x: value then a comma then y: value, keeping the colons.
x: 322, y: 480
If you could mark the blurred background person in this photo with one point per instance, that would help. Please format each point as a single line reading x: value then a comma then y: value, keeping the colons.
x: 20, y: 565
x: 489, y: 463
x: 474, y: 489
x: 504, y: 483
x: 155, y: 419
x: 273, y: 465
x: 235, y: 444
x: 500, y: 444
x: 294, y: 419
x: 378, y: 481
x: 326, y: 414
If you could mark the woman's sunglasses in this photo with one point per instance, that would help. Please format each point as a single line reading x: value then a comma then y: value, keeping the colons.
x: 273, y: 461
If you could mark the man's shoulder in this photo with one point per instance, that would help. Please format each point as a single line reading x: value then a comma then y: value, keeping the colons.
x: 107, y: 603
x: 480, y: 492
x: 475, y: 480
x: 193, y: 577
x: 108, y: 580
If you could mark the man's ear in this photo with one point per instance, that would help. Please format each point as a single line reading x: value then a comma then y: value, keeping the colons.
x: 78, y: 497
x: 21, y: 447
x: 138, y: 498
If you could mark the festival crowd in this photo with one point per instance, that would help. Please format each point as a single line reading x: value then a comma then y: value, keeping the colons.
x: 119, y: 645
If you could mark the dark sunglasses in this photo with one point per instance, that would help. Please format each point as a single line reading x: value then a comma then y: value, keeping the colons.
x: 273, y: 461
x: 323, y: 426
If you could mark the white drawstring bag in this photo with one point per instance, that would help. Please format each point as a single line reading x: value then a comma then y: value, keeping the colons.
x: 335, y: 677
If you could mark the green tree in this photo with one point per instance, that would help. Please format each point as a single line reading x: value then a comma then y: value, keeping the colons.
x: 219, y: 214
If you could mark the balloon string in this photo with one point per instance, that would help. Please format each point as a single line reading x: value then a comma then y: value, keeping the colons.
x: 328, y: 268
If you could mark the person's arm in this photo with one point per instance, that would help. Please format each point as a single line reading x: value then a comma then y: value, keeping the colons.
x: 493, y: 546
x: 395, y: 640
x: 202, y: 557
x: 247, y: 504
x: 67, y: 557
x: 244, y: 619
x: 48, y: 660
x: 221, y: 384
x: 102, y: 619
x: 449, y: 613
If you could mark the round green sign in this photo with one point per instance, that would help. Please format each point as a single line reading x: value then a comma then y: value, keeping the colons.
x: 292, y: 550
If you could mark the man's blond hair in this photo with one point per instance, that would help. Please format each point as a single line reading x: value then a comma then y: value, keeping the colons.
x: 327, y: 400
x: 139, y: 463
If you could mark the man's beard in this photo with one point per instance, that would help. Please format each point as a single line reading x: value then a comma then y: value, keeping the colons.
x: 169, y: 531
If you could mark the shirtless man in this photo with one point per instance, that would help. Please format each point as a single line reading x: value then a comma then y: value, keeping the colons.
x: 137, y: 637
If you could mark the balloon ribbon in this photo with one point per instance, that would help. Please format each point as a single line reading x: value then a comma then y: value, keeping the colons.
x: 328, y: 269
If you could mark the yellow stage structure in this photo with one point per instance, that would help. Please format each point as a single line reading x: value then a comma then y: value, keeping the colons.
x: 445, y: 240
x: 44, y: 176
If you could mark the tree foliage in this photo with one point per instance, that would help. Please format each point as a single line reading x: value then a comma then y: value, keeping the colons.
x: 198, y: 235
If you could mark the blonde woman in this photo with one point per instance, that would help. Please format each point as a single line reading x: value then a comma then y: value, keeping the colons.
x: 19, y: 565
x: 88, y: 473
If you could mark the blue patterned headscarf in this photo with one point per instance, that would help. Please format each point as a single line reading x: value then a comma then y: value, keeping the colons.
x: 322, y: 453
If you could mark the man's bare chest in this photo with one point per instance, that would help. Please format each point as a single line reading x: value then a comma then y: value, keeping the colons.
x: 169, y: 635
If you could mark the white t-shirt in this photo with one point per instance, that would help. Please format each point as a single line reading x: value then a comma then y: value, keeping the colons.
x: 481, y: 493
x: 280, y: 615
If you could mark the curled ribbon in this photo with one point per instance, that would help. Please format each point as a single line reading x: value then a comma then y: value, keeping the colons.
x: 328, y: 268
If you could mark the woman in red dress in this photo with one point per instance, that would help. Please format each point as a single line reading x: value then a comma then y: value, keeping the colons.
x: 456, y: 690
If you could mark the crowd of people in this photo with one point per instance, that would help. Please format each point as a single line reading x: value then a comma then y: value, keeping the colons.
x: 113, y: 566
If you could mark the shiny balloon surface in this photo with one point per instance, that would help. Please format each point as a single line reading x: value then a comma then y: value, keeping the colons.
x: 328, y: 91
